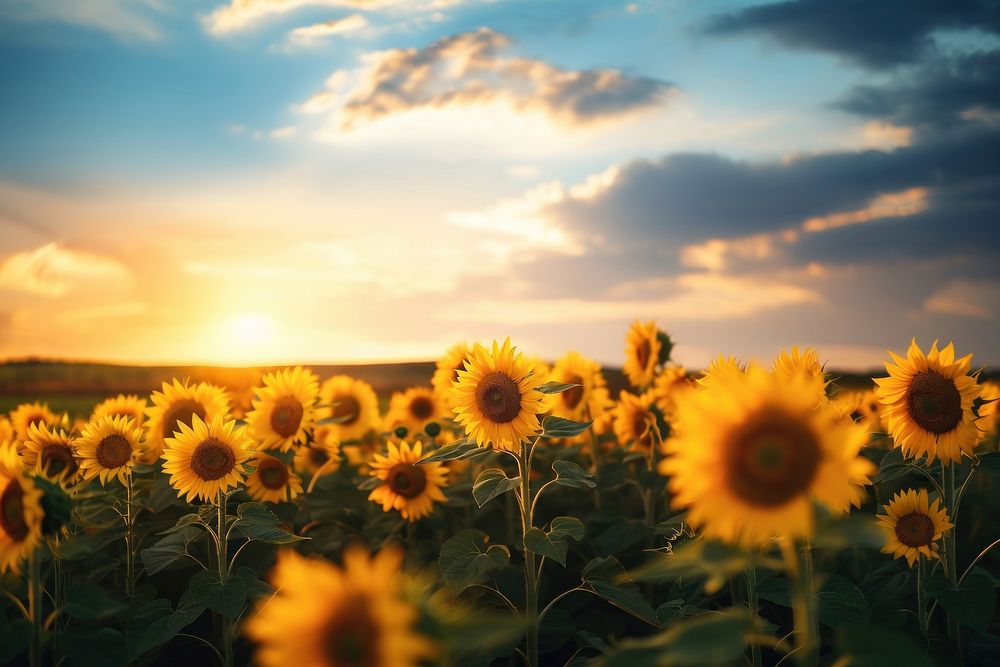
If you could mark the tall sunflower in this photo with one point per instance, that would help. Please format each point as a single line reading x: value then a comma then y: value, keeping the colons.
x: 26, y: 415
x: 353, y: 402
x: 751, y: 454
x: 322, y: 453
x: 325, y: 616
x: 50, y: 452
x: 179, y: 403
x: 587, y: 401
x: 642, y: 353
x: 131, y: 406
x: 496, y: 397
x: 285, y: 408
x: 928, y: 403
x: 407, y: 485
x: 634, y: 421
x: 446, y: 370
x: 273, y: 480
x: 108, y: 447
x: 913, y: 525
x: 21, y: 513
x: 414, y: 408
x: 668, y: 386
x: 206, y: 458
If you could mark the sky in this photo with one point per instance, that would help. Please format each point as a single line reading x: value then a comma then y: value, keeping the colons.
x: 285, y: 181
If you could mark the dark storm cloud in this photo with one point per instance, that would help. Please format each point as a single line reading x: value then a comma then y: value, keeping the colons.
x: 876, y: 34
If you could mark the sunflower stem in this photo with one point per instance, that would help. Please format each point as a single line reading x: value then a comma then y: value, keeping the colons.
x: 35, y: 602
x: 753, y: 604
x: 806, y: 618
x: 921, y: 596
x: 530, y: 582
x: 222, y: 543
x: 129, y: 538
x: 950, y: 545
x: 595, y: 463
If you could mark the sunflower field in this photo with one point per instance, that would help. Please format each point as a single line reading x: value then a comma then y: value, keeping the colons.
x: 511, y: 512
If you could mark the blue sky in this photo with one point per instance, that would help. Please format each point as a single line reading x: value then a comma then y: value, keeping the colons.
x: 243, y: 181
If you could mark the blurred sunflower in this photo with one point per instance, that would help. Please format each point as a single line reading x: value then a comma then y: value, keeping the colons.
x: 414, y: 408
x: 21, y: 512
x: 446, y: 371
x: 273, y: 481
x: 496, y: 397
x: 928, y: 403
x: 50, y: 452
x: 6, y: 430
x: 323, y: 452
x: 324, y: 616
x: 667, y: 387
x: 587, y: 401
x: 989, y: 411
x: 24, y: 416
x: 720, y: 370
x: 353, y: 402
x: 753, y: 452
x: 862, y: 407
x: 178, y: 404
x: 206, y: 459
x: 408, y: 486
x: 789, y: 363
x: 913, y: 525
x: 121, y: 405
x: 285, y: 408
x: 642, y: 353
x: 108, y: 447
x: 634, y: 421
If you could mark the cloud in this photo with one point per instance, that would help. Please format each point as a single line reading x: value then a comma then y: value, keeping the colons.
x: 117, y: 17
x: 965, y: 298
x: 472, y: 69
x: 244, y: 14
x: 318, y: 32
x: 52, y: 270
x: 875, y: 35
x: 284, y: 132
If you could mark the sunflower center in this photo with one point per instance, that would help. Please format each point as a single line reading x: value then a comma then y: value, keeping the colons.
x: 499, y: 397
x: 35, y: 420
x: 273, y: 474
x: 286, y: 416
x: 181, y: 412
x: 113, y: 451
x: 352, y: 635
x: 639, y: 426
x: 643, y: 353
x: 407, y: 479
x: 571, y: 397
x: 212, y: 459
x: 12, y: 511
x: 318, y: 456
x: 346, y: 408
x: 856, y: 415
x: 58, y: 460
x: 421, y: 408
x: 772, y: 459
x: 934, y: 402
x: 915, y: 529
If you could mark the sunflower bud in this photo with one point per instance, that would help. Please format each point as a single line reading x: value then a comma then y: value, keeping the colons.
x: 666, y: 346
x: 433, y: 429
x: 56, y: 504
x: 400, y: 432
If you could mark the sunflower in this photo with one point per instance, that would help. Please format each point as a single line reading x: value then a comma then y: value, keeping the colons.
x: 325, y: 616
x: 273, y: 480
x: 284, y: 409
x: 24, y: 416
x: 668, y: 386
x: 21, y: 513
x: 751, y: 453
x: 206, y: 459
x: 789, y: 363
x: 122, y: 406
x: 446, y: 371
x: 322, y: 452
x: 353, y: 402
x: 634, y: 421
x: 50, y: 452
x: 862, y: 407
x: 989, y: 411
x: 6, y: 430
x: 414, y: 408
x: 178, y: 404
x: 587, y: 401
x: 407, y: 485
x: 108, y: 448
x: 913, y: 525
x: 642, y: 353
x: 720, y: 370
x: 928, y: 403
x: 496, y: 397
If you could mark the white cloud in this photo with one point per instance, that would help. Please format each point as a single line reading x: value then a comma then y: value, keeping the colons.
x: 244, y: 14
x: 52, y: 270
x: 965, y: 298
x: 118, y: 17
x: 318, y: 32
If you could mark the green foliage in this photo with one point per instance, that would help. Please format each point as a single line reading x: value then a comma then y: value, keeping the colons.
x: 491, y: 483
x: 557, y: 427
x: 971, y: 602
x: 466, y: 559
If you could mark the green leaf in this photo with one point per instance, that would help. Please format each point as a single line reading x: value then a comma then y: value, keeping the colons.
x: 450, y: 452
x: 255, y: 588
x: 225, y: 597
x: 715, y: 638
x: 989, y: 463
x: 557, y: 427
x: 608, y: 579
x: 553, y: 387
x: 878, y: 647
x: 256, y: 522
x: 536, y: 541
x: 491, y: 483
x: 15, y: 635
x: 169, y: 550
x: 571, y: 474
x: 90, y: 602
x: 156, y: 623
x: 193, y: 519
x: 563, y: 527
x: 715, y: 560
x: 369, y: 484
x: 841, y: 604
x: 971, y: 604
x: 91, y: 647
x: 465, y: 559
